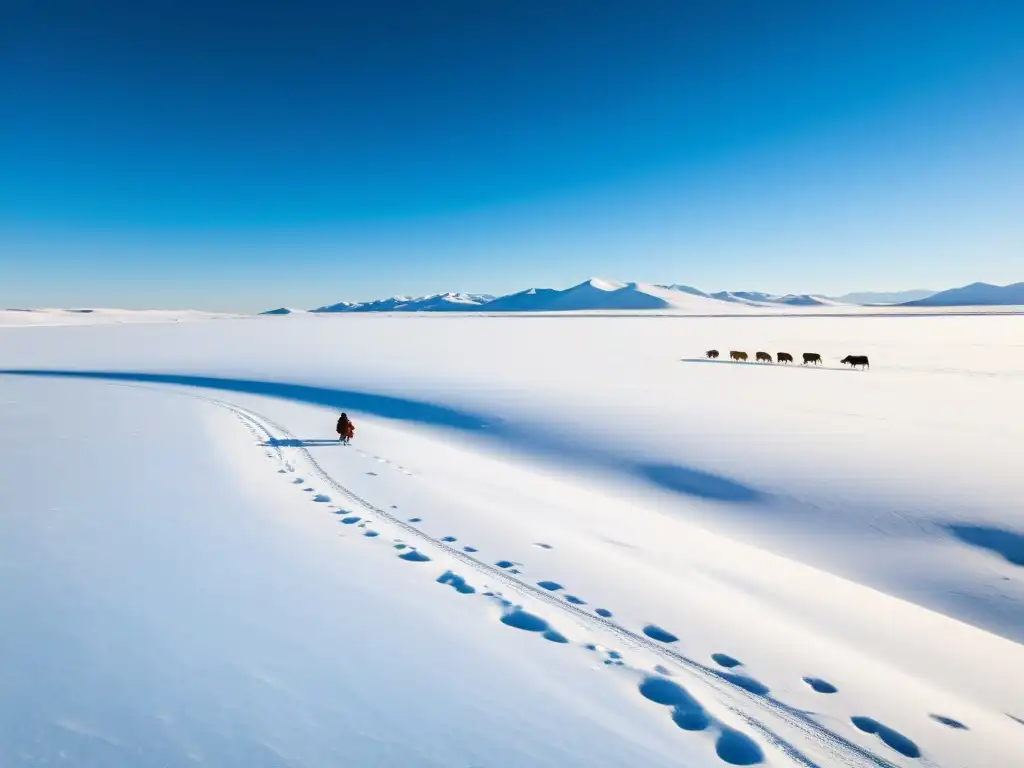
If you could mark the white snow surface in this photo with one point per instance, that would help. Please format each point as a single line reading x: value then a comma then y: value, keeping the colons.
x: 611, y: 551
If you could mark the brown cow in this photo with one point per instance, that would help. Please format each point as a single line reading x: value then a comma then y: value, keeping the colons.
x: 712, y: 354
x: 855, y: 360
x: 785, y: 357
x: 763, y: 357
x: 738, y: 355
x: 812, y: 357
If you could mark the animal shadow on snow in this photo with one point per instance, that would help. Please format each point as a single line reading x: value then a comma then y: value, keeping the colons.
x: 677, y: 479
x: 1008, y: 544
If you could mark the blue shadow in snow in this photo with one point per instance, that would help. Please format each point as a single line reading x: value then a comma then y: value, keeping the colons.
x: 677, y: 479
x: 1008, y: 544
x: 704, y: 485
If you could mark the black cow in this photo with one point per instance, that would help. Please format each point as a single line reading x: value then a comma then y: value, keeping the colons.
x: 855, y: 360
x: 712, y: 354
x: 784, y: 357
x: 812, y: 357
x: 763, y: 357
x: 738, y: 355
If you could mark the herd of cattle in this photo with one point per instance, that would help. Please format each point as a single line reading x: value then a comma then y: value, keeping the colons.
x: 785, y: 357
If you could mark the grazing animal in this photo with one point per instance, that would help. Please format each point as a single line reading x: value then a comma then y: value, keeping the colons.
x: 763, y: 356
x: 812, y: 357
x: 738, y: 355
x: 712, y: 354
x: 785, y: 357
x: 855, y: 360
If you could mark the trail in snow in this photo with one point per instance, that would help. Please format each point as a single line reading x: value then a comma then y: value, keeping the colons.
x: 737, y: 692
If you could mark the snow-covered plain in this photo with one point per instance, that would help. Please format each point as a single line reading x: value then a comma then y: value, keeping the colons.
x: 554, y: 541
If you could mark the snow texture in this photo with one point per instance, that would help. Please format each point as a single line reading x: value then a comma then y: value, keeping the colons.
x: 562, y: 541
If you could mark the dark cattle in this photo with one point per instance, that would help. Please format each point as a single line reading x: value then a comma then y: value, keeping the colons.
x: 713, y: 354
x: 785, y: 357
x: 738, y: 355
x: 812, y: 357
x: 855, y: 360
x: 763, y: 357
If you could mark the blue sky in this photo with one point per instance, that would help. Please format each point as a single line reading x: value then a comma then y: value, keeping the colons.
x: 246, y: 155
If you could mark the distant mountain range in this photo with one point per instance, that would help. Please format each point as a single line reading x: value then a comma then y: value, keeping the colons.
x: 599, y: 294
x: 974, y: 295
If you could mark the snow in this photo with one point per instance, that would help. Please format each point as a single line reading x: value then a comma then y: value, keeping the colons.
x: 690, y: 562
x: 38, y: 317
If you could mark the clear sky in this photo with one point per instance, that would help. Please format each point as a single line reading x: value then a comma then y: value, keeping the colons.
x: 246, y: 155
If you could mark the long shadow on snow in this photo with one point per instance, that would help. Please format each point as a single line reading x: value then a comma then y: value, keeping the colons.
x: 1009, y: 544
x: 677, y: 479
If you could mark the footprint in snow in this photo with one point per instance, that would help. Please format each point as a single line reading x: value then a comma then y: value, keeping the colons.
x: 655, y: 632
x: 528, y: 622
x: 542, y: 545
x: 820, y: 686
x: 321, y: 498
x: 505, y: 564
x: 456, y: 582
x: 470, y: 549
x: 604, y: 613
x: 732, y: 746
x: 575, y: 600
x: 448, y: 539
x: 550, y: 586
x: 350, y: 520
x: 890, y: 737
x: 298, y: 481
x: 725, y: 660
x: 950, y: 722
x: 371, y: 534
x: 413, y: 556
x: 415, y: 519
x: 372, y: 474
x: 745, y: 682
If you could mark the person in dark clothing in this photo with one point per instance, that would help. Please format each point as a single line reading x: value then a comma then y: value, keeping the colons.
x: 346, y: 429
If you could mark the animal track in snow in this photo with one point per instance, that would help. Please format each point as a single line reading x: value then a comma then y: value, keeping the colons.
x: 456, y: 582
x: 470, y: 549
x: 655, y: 632
x: 889, y: 737
x: 745, y: 682
x: 371, y: 534
x: 575, y: 600
x: 372, y: 474
x: 351, y: 519
x: 949, y: 721
x: 725, y: 660
x: 505, y: 564
x: 603, y: 613
x: 542, y: 545
x: 732, y: 747
x: 550, y: 586
x: 415, y: 519
x: 819, y: 685
x: 528, y: 622
x: 448, y: 539
x: 412, y: 556
x: 321, y: 498
x: 298, y: 481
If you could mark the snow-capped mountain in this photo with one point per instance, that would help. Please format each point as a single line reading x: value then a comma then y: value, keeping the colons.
x: 884, y: 297
x: 599, y: 294
x: 438, y: 302
x: 974, y: 295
